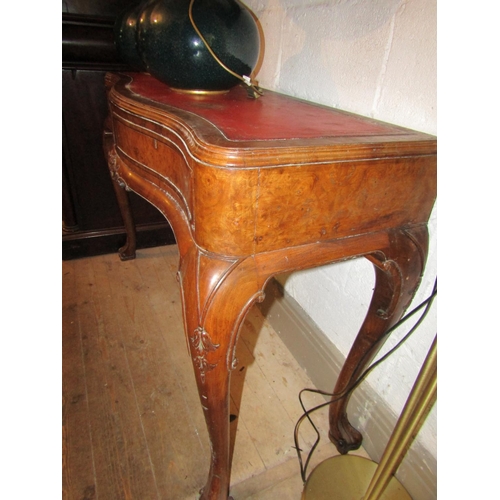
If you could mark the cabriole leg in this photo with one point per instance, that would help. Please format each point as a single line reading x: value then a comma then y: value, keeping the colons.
x: 398, y: 271
x: 217, y: 294
x: 127, y: 251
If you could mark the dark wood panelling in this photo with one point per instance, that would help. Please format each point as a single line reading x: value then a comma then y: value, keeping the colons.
x: 92, y: 222
x: 102, y: 8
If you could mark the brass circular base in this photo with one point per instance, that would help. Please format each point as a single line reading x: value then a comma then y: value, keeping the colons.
x: 199, y: 92
x: 346, y: 477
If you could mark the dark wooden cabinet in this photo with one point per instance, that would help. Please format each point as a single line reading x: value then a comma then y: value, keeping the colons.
x: 92, y: 223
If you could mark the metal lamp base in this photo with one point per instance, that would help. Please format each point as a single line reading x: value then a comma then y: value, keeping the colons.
x: 347, y: 477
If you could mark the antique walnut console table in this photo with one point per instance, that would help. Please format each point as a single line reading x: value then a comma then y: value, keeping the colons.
x: 257, y: 187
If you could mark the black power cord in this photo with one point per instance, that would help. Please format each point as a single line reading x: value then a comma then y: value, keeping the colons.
x: 427, y: 303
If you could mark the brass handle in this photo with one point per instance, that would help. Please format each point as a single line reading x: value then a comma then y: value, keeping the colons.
x: 253, y: 89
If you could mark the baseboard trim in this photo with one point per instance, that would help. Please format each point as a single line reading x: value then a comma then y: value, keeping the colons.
x: 367, y: 411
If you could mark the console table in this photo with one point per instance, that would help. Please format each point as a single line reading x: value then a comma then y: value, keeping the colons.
x: 257, y: 187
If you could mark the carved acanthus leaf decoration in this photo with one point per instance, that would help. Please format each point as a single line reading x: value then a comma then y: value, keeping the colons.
x: 202, y: 344
x: 203, y: 366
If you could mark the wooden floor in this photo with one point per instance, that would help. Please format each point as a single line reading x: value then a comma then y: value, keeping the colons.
x: 132, y: 424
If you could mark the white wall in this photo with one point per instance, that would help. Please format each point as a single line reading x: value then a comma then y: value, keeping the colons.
x: 376, y: 58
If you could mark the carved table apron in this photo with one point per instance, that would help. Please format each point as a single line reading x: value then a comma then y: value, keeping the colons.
x: 257, y: 187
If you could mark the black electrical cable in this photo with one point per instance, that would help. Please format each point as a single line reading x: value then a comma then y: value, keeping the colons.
x: 427, y: 303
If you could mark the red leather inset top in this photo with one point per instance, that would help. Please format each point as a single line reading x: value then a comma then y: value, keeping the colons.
x: 271, y: 117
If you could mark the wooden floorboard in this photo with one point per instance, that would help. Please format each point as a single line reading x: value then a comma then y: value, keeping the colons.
x: 78, y: 466
x: 133, y: 428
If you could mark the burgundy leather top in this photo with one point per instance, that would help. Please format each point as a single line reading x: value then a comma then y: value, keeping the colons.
x: 271, y: 117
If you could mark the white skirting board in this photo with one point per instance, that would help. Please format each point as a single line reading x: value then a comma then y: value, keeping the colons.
x: 367, y: 411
